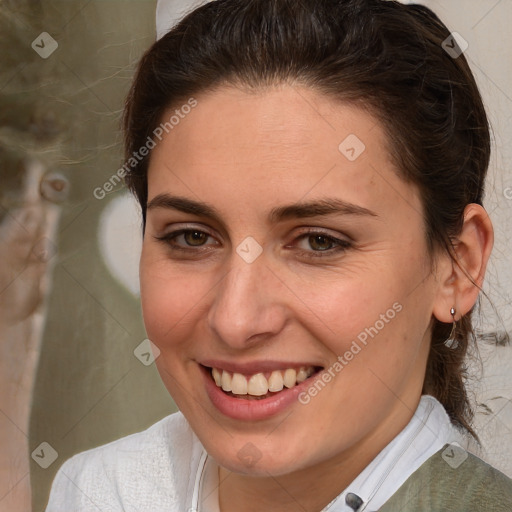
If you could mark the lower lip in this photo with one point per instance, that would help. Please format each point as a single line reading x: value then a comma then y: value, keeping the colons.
x: 251, y: 410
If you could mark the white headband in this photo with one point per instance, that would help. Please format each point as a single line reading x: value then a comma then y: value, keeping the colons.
x: 169, y: 12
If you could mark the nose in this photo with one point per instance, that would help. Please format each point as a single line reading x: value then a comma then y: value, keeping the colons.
x: 248, y: 307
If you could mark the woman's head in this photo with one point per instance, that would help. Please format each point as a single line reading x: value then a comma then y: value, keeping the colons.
x: 298, y: 102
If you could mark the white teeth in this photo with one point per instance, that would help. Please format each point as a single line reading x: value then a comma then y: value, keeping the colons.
x: 302, y: 375
x: 217, y: 377
x: 226, y: 381
x: 239, y: 384
x: 275, y: 382
x: 290, y: 378
x: 258, y: 385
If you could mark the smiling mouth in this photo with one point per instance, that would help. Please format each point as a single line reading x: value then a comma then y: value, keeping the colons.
x: 260, y: 385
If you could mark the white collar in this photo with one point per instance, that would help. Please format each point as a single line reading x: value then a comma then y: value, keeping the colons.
x: 426, y: 433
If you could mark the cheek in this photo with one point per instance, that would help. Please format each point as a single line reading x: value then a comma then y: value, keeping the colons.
x: 372, y: 322
x: 344, y: 306
x: 171, y: 301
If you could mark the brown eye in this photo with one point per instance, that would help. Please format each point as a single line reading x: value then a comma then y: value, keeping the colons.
x: 320, y: 242
x: 187, y: 240
x: 316, y: 244
x: 195, y: 238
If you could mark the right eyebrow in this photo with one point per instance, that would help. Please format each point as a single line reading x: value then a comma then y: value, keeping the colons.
x: 184, y: 205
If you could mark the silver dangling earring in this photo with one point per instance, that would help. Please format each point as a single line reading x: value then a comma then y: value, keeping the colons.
x: 451, y: 342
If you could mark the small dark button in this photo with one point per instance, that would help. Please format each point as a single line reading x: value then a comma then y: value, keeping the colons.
x: 353, y: 501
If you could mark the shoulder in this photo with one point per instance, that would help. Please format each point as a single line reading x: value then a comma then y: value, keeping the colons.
x: 456, y: 480
x: 148, y: 469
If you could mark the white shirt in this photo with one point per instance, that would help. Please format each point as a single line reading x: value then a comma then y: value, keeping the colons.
x: 166, y: 469
x: 427, y: 432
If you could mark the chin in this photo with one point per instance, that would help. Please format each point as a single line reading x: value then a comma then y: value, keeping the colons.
x: 243, y: 456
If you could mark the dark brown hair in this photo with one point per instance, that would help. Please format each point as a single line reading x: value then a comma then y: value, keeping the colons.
x: 385, y: 56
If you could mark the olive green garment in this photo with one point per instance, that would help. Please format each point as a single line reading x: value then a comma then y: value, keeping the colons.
x: 450, y: 482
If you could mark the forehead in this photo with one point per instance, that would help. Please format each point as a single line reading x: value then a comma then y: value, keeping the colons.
x: 270, y: 145
x: 284, y: 117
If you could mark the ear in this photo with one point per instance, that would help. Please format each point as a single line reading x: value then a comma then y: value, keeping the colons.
x: 460, y: 281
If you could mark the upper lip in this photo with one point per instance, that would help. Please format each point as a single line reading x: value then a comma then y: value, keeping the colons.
x: 252, y: 367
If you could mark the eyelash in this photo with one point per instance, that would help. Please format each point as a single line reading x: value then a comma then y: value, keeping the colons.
x: 343, y: 245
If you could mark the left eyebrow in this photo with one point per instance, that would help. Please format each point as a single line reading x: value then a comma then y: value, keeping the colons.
x: 328, y: 206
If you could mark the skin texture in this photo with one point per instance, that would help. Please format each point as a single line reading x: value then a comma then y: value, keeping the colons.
x: 245, y: 154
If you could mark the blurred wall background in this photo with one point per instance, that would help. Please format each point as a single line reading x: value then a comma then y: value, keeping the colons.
x: 92, y: 382
x: 91, y: 388
x: 65, y: 69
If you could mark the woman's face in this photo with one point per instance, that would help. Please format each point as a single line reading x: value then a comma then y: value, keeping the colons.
x: 280, y: 237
